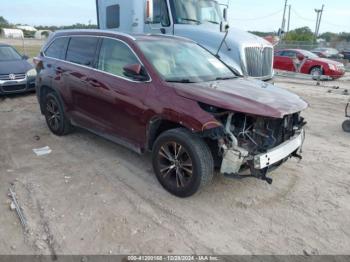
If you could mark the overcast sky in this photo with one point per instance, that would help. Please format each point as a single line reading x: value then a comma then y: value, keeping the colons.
x: 261, y: 15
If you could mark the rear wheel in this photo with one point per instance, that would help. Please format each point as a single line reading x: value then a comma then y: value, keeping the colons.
x: 55, y: 117
x: 182, y: 162
x: 346, y: 126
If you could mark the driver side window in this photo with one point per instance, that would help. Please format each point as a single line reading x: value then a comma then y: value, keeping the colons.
x: 114, y: 56
x: 160, y: 13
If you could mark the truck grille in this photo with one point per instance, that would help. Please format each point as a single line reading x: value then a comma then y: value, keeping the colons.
x: 7, y: 77
x: 259, y: 61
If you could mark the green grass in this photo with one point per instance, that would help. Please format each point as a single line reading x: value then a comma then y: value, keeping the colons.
x: 30, y: 51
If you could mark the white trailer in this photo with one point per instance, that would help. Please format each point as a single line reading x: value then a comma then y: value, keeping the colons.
x: 203, y: 21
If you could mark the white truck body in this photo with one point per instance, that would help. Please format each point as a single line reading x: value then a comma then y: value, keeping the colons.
x: 248, y: 54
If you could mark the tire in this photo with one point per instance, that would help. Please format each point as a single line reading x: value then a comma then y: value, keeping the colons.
x: 316, y: 72
x: 55, y: 116
x: 188, y: 172
x: 346, y: 126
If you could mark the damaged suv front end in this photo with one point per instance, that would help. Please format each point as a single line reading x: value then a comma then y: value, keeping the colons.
x: 255, y: 125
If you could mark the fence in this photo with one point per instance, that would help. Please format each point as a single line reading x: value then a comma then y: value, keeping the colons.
x: 27, y: 46
x: 309, y: 45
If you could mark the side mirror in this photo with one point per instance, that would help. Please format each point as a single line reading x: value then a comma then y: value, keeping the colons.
x: 135, y: 71
x: 225, y: 14
x: 341, y: 56
x: 224, y: 27
x: 149, y: 12
x: 25, y: 57
x: 301, y: 57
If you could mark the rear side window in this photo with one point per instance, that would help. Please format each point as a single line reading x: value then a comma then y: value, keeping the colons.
x: 113, y: 16
x: 58, y: 48
x: 81, y: 50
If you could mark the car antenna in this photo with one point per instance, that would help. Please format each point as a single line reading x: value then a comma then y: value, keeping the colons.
x: 223, y: 41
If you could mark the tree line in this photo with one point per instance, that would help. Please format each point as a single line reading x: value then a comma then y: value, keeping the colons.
x: 305, y: 34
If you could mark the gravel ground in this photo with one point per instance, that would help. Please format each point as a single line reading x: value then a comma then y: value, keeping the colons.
x: 90, y: 196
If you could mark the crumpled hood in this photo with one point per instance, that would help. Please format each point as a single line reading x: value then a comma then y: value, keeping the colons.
x: 14, y: 67
x: 244, y: 95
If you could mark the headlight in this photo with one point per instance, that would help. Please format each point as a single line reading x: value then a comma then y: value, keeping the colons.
x: 332, y: 67
x: 31, y: 73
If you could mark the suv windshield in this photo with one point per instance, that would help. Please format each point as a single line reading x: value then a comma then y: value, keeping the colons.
x: 8, y: 53
x: 184, y: 62
x: 196, y: 11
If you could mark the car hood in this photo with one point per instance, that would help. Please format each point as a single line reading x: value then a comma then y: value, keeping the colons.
x: 14, y: 67
x: 327, y: 61
x: 244, y: 95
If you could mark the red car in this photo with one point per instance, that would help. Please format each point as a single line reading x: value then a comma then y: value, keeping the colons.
x: 305, y: 62
x: 171, y: 97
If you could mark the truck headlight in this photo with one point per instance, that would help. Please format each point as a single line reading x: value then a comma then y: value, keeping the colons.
x: 31, y: 73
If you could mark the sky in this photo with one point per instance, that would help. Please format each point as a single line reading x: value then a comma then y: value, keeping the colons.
x: 254, y: 15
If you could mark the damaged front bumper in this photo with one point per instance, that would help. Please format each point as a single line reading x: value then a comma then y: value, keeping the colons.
x: 234, y: 158
x: 279, y: 153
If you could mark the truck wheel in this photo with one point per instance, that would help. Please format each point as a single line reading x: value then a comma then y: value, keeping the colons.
x: 182, y: 162
x: 55, y: 117
x: 346, y: 126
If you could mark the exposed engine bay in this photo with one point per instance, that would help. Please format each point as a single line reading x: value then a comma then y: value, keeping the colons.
x: 255, y: 143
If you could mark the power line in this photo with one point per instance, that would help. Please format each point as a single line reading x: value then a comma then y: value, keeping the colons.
x: 259, y: 18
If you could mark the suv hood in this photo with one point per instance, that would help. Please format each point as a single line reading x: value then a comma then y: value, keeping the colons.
x: 244, y: 95
x: 14, y: 67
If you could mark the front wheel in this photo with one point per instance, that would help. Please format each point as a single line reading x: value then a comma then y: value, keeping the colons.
x: 182, y: 162
x: 316, y: 72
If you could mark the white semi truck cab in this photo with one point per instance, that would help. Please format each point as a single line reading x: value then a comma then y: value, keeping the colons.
x: 203, y: 21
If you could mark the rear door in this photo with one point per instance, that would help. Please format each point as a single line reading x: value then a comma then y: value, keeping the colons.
x: 286, y: 60
x: 80, y: 60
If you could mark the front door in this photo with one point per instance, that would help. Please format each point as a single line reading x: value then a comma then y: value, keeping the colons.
x: 119, y: 99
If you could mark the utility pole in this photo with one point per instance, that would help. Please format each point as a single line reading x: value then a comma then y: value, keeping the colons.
x: 288, y: 27
x: 284, y: 18
x: 318, y: 21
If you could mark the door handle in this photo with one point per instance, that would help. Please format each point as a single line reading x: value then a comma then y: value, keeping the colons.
x: 59, y: 70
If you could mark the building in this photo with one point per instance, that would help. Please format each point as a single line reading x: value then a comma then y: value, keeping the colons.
x: 42, y: 34
x: 11, y: 33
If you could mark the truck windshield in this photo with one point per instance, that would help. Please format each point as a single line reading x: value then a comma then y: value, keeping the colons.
x: 184, y: 62
x: 196, y: 11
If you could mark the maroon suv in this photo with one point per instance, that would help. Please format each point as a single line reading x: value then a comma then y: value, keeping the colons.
x: 169, y: 96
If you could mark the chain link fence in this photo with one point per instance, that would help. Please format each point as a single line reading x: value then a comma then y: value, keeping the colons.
x: 27, y: 46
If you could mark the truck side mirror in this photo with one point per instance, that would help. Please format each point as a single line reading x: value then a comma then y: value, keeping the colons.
x: 225, y: 14
x: 224, y: 27
x: 149, y: 12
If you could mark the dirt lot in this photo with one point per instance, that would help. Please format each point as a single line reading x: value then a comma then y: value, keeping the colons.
x: 90, y: 196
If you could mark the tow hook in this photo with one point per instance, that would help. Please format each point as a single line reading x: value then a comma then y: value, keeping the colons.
x: 261, y: 174
x: 265, y: 177
x: 296, y: 155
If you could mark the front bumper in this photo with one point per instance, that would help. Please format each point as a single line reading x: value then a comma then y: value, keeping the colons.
x: 17, y: 86
x: 279, y: 153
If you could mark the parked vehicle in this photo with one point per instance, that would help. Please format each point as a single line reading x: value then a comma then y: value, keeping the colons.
x: 346, y: 124
x: 305, y: 62
x: 330, y: 53
x: 201, y: 21
x: 181, y: 103
x: 346, y: 54
x: 16, y: 74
